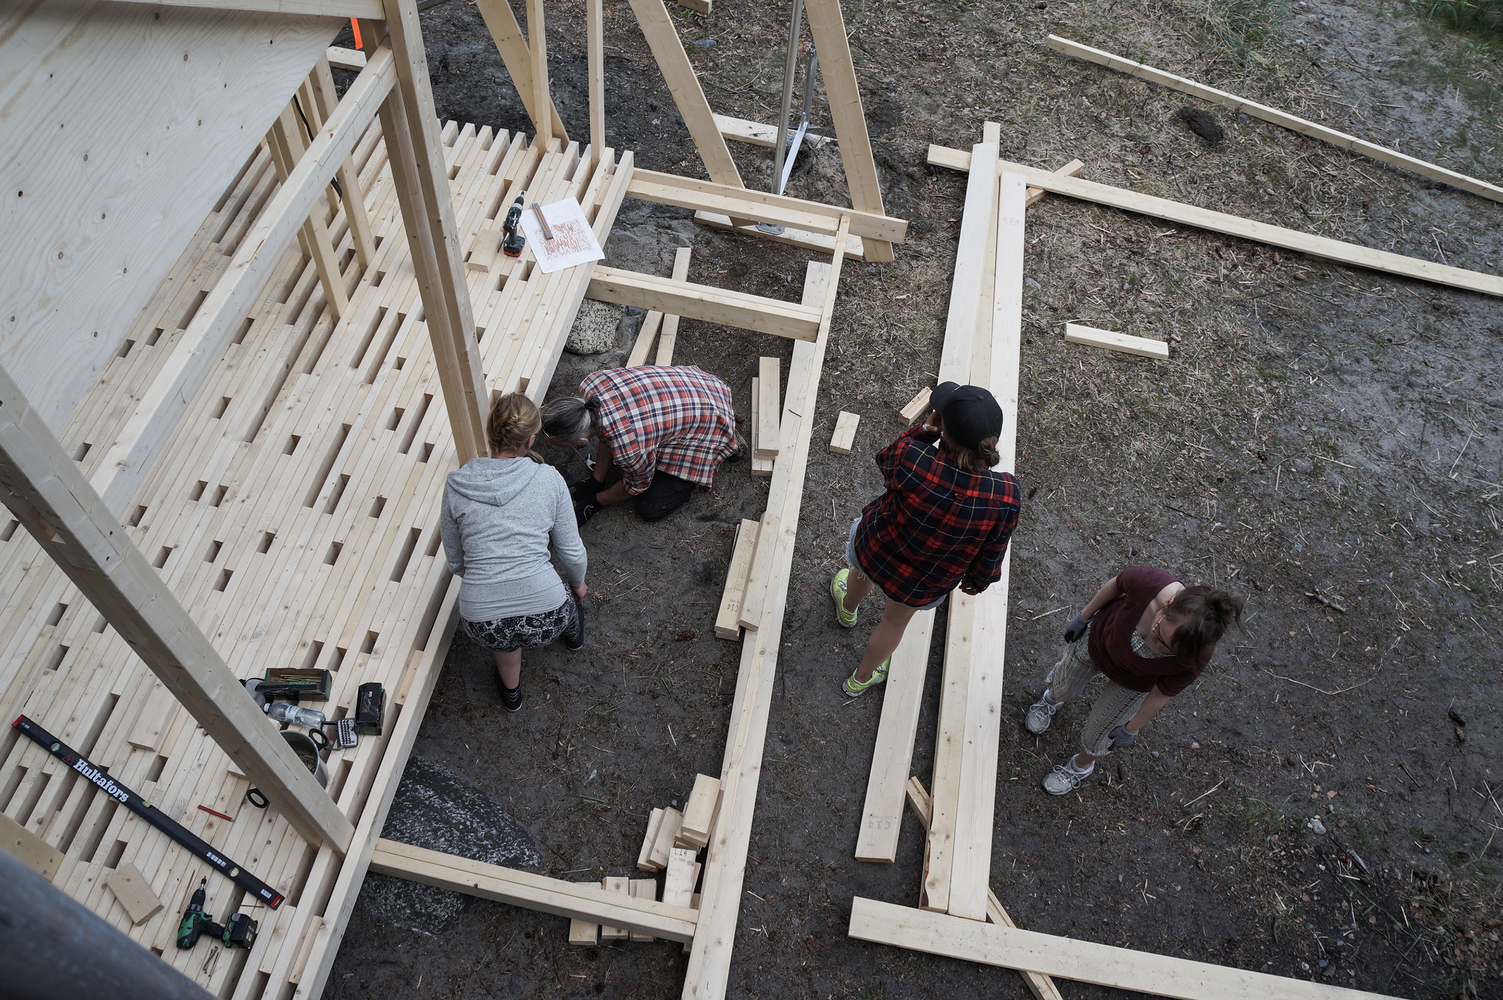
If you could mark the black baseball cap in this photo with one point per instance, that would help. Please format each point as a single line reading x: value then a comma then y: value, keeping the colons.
x: 971, y: 413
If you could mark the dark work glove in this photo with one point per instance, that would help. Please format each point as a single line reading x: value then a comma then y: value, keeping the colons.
x: 1121, y: 738
x: 585, y: 488
x: 1075, y: 629
x: 584, y: 510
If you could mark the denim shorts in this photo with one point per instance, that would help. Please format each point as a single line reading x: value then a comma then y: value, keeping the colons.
x: 850, y: 560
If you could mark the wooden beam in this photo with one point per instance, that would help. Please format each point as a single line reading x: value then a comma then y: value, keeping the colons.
x: 651, y: 323
x: 1070, y: 958
x: 728, y: 621
x: 759, y: 466
x: 713, y: 305
x: 1039, y: 985
x: 321, y: 8
x: 537, y: 48
x: 818, y: 242
x: 970, y: 263
x: 812, y: 216
x: 155, y: 415
x: 621, y: 886
x: 50, y: 497
x: 410, y: 124
x: 1242, y: 105
x: 1231, y: 225
x: 838, y: 71
x: 668, y: 50
x: 699, y: 810
x: 314, y: 233
x: 577, y: 900
x: 350, y: 192
x: 769, y: 408
x: 754, y: 598
x: 758, y: 134
x: 1107, y: 340
x: 512, y: 47
x: 342, y: 58
x: 668, y: 340
x: 1069, y: 170
x: 595, y: 64
x: 649, y: 841
x: 882, y: 815
x: 845, y: 433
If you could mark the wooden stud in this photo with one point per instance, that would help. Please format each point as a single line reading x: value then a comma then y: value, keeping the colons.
x: 1107, y: 340
x: 595, y: 63
x: 845, y: 433
x: 728, y: 621
x: 483, y: 250
x: 769, y: 408
x: 704, y: 800
x: 537, y: 45
x: 1243, y: 106
x: 620, y: 885
x: 667, y: 831
x: 702, y: 302
x: 917, y: 406
x: 134, y: 892
x: 645, y: 336
x: 759, y: 466
x: 759, y: 578
x: 758, y: 134
x: 314, y: 233
x: 512, y: 47
x: 643, y: 889
x: 669, y: 337
x: 644, y: 856
x: 817, y: 242
x: 351, y: 196
x: 1071, y: 169
x: 678, y: 882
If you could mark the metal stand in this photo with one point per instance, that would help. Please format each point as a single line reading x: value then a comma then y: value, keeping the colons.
x: 786, y: 151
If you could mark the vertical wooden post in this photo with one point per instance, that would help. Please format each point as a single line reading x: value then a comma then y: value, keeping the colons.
x: 410, y: 124
x: 48, y: 494
x: 595, y: 44
x: 537, y: 42
x: 349, y: 178
x: 507, y: 34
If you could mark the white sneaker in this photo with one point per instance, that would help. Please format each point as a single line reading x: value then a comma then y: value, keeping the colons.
x: 1066, y: 777
x: 1040, y: 713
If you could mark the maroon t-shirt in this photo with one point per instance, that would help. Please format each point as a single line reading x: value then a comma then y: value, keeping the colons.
x: 1111, y: 638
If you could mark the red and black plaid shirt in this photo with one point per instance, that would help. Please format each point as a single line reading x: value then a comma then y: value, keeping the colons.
x: 936, y: 526
x: 675, y: 419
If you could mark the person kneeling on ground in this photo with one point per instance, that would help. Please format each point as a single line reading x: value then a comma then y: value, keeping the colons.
x: 945, y: 519
x: 667, y: 428
x: 499, y: 515
x: 1151, y: 636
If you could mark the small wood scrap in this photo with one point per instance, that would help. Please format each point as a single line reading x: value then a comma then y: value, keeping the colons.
x: 583, y: 933
x: 134, y: 893
x: 758, y: 578
x: 769, y: 408
x: 29, y: 849
x: 916, y: 407
x: 667, y: 830
x: 1316, y: 595
x: 483, y: 250
x: 845, y: 433
x: 644, y: 857
x: 620, y: 884
x: 759, y: 466
x: 1107, y: 340
x: 1202, y: 123
x: 643, y: 888
x: 678, y: 882
x: 703, y: 804
x: 728, y: 621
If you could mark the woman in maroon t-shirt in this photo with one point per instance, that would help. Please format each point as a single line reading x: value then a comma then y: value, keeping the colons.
x: 1151, y: 636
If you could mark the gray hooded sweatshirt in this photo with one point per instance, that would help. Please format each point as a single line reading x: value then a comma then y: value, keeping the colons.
x: 499, y: 515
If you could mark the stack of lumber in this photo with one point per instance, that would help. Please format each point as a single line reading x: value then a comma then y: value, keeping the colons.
x: 295, y: 515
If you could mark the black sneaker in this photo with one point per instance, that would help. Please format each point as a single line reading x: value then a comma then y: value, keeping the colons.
x: 574, y: 638
x: 511, y: 698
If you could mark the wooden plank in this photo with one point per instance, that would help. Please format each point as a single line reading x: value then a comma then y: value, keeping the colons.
x: 69, y: 520
x: 342, y: 58
x: 645, y: 889
x: 1247, y: 229
x: 621, y: 886
x: 29, y: 849
x: 759, y: 466
x: 584, y: 901
x: 1041, y: 986
x: 595, y: 65
x: 678, y: 881
x: 728, y: 621
x: 669, y: 338
x: 351, y: 194
x: 688, y: 95
x: 1241, y: 105
x: 769, y: 407
x: 1069, y: 170
x: 917, y: 406
x: 512, y: 47
x: 813, y: 216
x: 758, y: 134
x: 882, y: 815
x: 134, y: 892
x: 129, y: 455
x: 838, y: 73
x: 704, y: 799
x: 645, y: 336
x: 845, y: 433
x: 483, y: 250
x: 702, y: 302
x: 1075, y: 333
x: 1069, y: 958
x: 537, y: 51
x: 698, y: 6
x: 644, y: 856
x: 151, y: 723
x: 321, y: 8
x: 759, y: 577
x: 818, y: 242
x: 314, y: 233
x: 663, y: 843
x: 970, y: 260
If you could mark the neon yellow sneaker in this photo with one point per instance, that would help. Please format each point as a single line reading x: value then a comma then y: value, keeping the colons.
x: 837, y: 592
x: 855, y: 689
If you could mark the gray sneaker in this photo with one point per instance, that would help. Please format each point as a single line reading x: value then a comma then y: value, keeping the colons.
x: 1041, y: 713
x: 1066, y: 777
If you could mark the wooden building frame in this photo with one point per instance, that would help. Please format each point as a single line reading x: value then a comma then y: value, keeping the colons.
x: 244, y: 463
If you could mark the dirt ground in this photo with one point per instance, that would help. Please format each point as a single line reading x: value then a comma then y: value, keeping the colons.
x: 1323, y: 440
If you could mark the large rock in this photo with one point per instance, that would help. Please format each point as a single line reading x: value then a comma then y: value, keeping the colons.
x: 596, y: 326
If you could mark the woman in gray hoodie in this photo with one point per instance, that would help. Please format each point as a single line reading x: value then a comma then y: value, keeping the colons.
x: 499, y: 515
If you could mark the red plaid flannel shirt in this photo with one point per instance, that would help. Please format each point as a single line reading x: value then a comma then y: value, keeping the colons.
x: 936, y: 526
x: 676, y: 419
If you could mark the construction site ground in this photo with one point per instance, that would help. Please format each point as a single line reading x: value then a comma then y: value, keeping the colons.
x: 1323, y: 440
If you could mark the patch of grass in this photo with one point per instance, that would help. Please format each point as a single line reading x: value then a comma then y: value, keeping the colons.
x: 1480, y: 20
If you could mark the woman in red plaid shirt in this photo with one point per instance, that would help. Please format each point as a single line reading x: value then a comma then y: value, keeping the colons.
x: 944, y: 520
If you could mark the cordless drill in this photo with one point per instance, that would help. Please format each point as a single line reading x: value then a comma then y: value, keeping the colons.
x: 238, y: 930
x: 513, y: 241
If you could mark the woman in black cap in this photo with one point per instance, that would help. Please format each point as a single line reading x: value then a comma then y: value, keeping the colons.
x: 944, y: 520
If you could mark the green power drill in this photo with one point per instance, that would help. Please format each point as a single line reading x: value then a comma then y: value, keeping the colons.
x: 238, y: 930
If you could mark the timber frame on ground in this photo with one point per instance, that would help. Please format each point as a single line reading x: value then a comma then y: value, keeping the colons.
x: 262, y: 291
